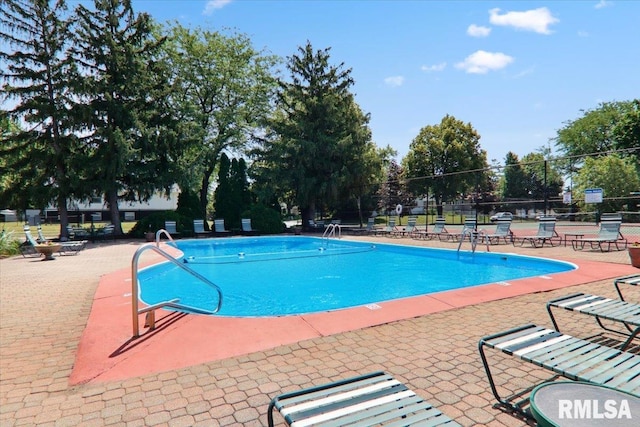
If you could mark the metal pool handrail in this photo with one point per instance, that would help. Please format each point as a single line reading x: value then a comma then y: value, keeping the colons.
x: 159, y: 234
x: 171, y: 303
x: 331, y: 231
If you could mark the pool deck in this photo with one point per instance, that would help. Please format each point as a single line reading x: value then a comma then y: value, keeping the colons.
x: 67, y: 356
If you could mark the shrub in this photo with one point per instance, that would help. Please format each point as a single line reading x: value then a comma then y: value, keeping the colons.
x: 155, y: 222
x: 265, y: 219
x: 8, y: 245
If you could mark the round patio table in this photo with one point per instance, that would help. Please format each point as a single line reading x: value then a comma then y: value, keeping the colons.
x: 579, y: 404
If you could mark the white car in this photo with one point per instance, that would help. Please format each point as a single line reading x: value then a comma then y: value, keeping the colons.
x: 501, y: 215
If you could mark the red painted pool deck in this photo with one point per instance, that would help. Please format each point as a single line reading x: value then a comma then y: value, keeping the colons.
x: 108, y: 352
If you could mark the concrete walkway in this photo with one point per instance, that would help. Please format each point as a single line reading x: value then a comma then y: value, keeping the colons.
x: 45, y: 306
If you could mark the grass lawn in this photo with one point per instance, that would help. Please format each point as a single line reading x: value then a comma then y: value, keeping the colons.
x: 51, y: 230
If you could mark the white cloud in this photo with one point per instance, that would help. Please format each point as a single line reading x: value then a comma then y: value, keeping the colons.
x: 478, y: 31
x: 481, y: 62
x: 436, y: 67
x: 213, y: 5
x: 603, y: 3
x: 583, y: 34
x: 394, y: 81
x: 537, y: 20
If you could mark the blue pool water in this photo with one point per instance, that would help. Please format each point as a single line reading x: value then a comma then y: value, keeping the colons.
x: 274, y: 276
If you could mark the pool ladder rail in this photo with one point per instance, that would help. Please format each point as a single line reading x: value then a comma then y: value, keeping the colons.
x: 330, y: 231
x: 474, y: 237
x: 174, y: 303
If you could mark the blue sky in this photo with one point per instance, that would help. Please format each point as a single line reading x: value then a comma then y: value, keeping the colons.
x: 516, y: 70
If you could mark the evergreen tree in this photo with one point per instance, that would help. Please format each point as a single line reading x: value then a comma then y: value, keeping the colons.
x: 223, y: 203
x: 313, y: 133
x: 121, y: 90
x: 392, y: 192
x: 41, y: 160
x: 513, y: 183
x: 240, y: 186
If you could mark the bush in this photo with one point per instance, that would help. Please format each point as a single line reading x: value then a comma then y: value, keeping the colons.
x: 155, y: 222
x: 8, y: 245
x: 265, y: 219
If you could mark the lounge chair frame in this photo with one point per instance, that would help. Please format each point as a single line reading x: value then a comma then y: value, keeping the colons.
x: 468, y: 228
x: 601, y: 308
x: 502, y: 232
x: 219, y: 228
x: 247, y: 229
x: 389, y: 230
x: 372, y: 399
x: 439, y: 231
x: 546, y: 234
x: 564, y: 355
x: 632, y: 280
x: 609, y: 234
x: 369, y: 229
x: 409, y: 229
x: 198, y: 228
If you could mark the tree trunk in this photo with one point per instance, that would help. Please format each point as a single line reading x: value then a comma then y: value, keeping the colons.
x: 308, y: 214
x: 439, y: 207
x: 112, y: 202
x: 64, y: 217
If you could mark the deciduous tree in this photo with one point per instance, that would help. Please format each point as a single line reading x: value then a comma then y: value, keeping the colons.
x: 440, y: 158
x: 221, y: 89
x: 617, y: 177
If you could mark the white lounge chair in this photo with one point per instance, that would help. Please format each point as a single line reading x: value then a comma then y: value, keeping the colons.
x: 609, y: 234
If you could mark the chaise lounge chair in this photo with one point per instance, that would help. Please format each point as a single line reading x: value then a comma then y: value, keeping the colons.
x: 469, y: 227
x: 219, y: 228
x: 198, y: 228
x: 439, y: 231
x: 619, y: 311
x: 388, y: 229
x: 564, y: 355
x: 409, y: 229
x: 502, y: 232
x: 106, y: 232
x: 632, y: 280
x: 171, y: 228
x: 370, y: 228
x: 246, y: 227
x: 367, y: 400
x: 28, y: 247
x: 609, y: 234
x: 546, y: 233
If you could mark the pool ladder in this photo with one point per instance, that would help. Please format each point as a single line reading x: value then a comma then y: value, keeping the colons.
x: 474, y: 236
x: 174, y: 303
x: 330, y: 231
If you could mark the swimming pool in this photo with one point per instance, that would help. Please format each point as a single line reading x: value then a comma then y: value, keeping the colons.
x: 277, y: 276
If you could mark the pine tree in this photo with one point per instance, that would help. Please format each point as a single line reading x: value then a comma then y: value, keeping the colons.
x: 313, y: 133
x: 41, y: 157
x: 121, y: 87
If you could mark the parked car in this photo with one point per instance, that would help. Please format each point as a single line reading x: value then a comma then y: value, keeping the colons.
x: 501, y: 215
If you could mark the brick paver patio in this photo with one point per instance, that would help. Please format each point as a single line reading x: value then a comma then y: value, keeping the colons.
x: 44, y: 308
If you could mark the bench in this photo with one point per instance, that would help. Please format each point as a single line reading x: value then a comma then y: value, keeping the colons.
x: 372, y: 399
